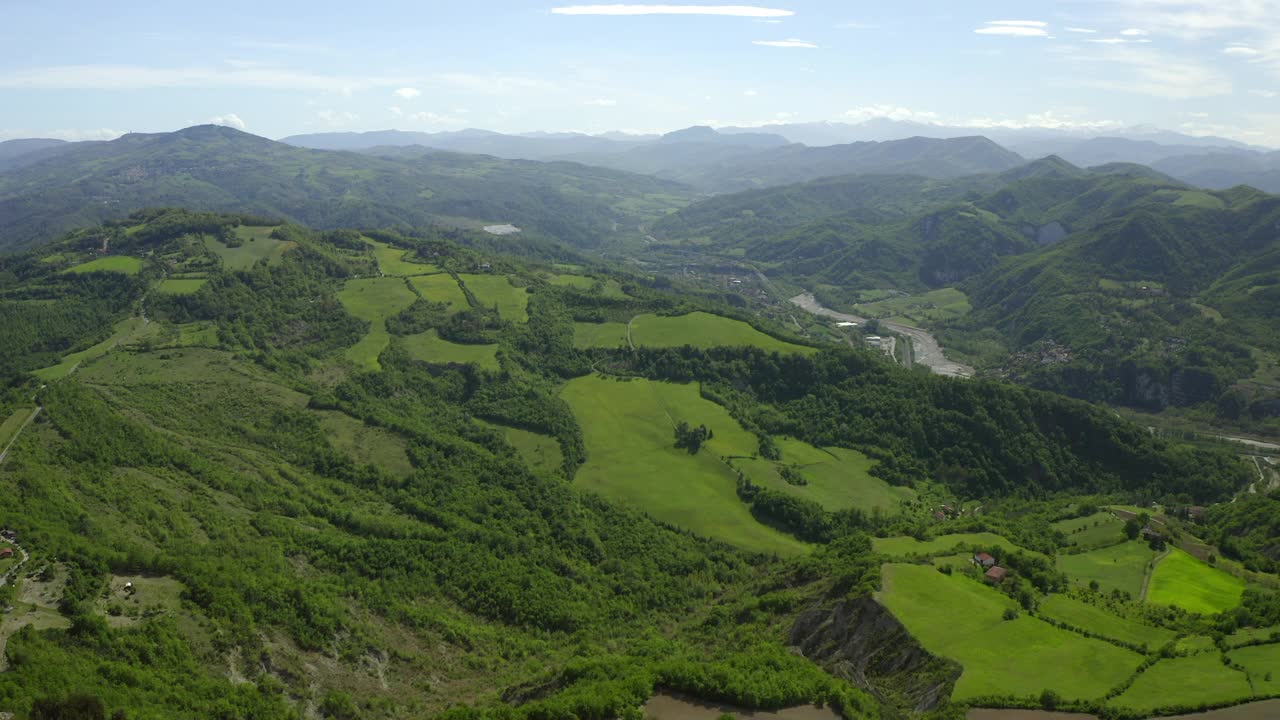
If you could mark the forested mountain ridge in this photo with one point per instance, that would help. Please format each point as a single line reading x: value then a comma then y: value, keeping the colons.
x: 222, y: 169
x: 268, y: 432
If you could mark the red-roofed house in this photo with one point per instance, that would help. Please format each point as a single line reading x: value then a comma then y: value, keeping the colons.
x: 6, y: 552
x: 996, y: 575
x: 984, y: 559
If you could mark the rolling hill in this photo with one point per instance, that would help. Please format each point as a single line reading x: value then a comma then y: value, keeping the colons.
x: 221, y: 169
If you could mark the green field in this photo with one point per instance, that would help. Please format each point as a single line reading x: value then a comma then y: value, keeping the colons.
x: 11, y: 424
x: 704, y: 330
x: 937, y: 305
x: 180, y: 286
x: 1096, y: 530
x: 197, y: 334
x: 391, y: 260
x: 1079, y: 614
x: 541, y: 452
x: 1260, y: 661
x: 1248, y: 635
x: 257, y: 244
x: 959, y: 618
x: 491, y: 290
x: 431, y: 348
x: 904, y: 545
x: 606, y: 335
x: 608, y: 288
x: 374, y: 300
x: 366, y: 444
x: 1182, y: 580
x: 1194, y: 680
x: 837, y: 478
x: 110, y: 263
x: 631, y: 458
x: 1193, y: 644
x: 1119, y: 567
x: 124, y: 331
x: 440, y: 288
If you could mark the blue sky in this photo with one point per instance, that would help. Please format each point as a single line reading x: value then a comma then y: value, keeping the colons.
x: 88, y: 69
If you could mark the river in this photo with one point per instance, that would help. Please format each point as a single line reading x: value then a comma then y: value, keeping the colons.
x: 925, y: 348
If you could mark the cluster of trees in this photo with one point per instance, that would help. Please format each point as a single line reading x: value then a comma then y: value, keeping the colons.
x: 691, y: 438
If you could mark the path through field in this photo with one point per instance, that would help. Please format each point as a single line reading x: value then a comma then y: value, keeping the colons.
x: 4, y: 455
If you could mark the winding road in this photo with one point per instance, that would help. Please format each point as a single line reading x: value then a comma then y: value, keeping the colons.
x: 925, y: 348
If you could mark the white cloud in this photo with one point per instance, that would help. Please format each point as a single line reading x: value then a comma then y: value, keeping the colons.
x: 601, y: 102
x: 395, y: 111
x: 407, y: 93
x: 1048, y: 119
x: 891, y: 112
x: 748, y: 93
x: 1014, y: 28
x: 1118, y: 41
x: 230, y: 120
x: 788, y: 43
x: 1240, y: 50
x: 1265, y: 93
x: 1134, y: 32
x: 1087, y: 31
x: 1195, y: 19
x: 726, y: 10
x: 138, y: 77
x: 1142, y: 69
x: 68, y: 135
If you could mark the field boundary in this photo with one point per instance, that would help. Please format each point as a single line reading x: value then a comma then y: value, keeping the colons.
x: 1151, y: 570
x: 5, y: 454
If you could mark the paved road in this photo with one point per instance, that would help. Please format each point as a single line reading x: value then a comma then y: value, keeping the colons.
x: 925, y: 348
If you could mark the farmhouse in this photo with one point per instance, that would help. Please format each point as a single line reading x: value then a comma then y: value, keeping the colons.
x: 1195, y: 513
x: 1150, y: 533
x: 6, y: 552
x: 984, y: 559
x: 996, y: 575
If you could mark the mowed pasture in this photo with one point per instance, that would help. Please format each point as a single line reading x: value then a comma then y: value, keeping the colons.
x: 1185, y: 681
x: 836, y: 478
x: 1183, y: 581
x: 110, y: 263
x: 607, y: 288
x: 9, y: 428
x: 540, y: 452
x: 628, y: 430
x: 394, y: 261
x: 365, y: 443
x: 256, y: 244
x: 1121, y: 567
x: 496, y: 290
x: 957, y: 617
x: 429, y: 347
x: 1262, y: 663
x: 705, y: 330
x: 440, y: 288
x: 1098, y: 529
x: 605, y: 335
x: 374, y: 300
x: 180, y: 286
x: 1080, y: 614
x: 905, y: 545
x: 127, y: 330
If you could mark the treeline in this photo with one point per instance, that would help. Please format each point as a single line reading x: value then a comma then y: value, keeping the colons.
x: 980, y: 439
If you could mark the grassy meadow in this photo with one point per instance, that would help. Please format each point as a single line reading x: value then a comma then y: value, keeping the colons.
x: 110, y: 263
x: 1080, y: 614
x: 1121, y: 567
x: 628, y: 426
x: 431, y: 348
x: 365, y: 443
x: 943, y: 544
x: 125, y: 331
x: 1098, y: 529
x: 837, y: 478
x: 491, y: 290
x: 1194, y: 680
x: 1183, y: 581
x: 704, y: 330
x: 441, y: 288
x: 541, y: 452
x: 606, y: 335
x: 391, y: 261
x: 12, y: 424
x: 256, y: 244
x: 957, y: 617
x: 180, y: 286
x: 1262, y: 663
x: 374, y: 300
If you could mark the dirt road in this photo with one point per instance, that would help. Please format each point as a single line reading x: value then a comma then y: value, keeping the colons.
x: 925, y: 348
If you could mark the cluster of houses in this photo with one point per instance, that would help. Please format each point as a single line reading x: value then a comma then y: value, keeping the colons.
x: 993, y: 573
x: 8, y: 536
